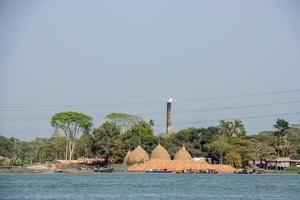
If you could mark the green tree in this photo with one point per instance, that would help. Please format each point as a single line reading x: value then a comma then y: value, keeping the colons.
x: 72, y: 124
x: 6, y: 147
x: 58, y: 142
x: 234, y: 159
x: 108, y: 142
x: 245, y: 148
x: 282, y: 144
x: 237, y: 128
x: 225, y: 128
x: 85, y: 146
x: 123, y: 120
x: 140, y: 133
x: 218, y: 148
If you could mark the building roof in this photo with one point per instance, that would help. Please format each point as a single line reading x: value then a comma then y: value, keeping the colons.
x: 138, y: 155
x: 160, y: 153
x: 284, y: 159
x: 183, y: 154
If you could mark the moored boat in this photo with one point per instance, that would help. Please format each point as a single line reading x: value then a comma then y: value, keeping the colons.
x: 158, y: 171
x: 76, y: 172
x: 104, y: 170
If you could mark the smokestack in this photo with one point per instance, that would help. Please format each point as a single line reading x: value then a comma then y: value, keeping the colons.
x: 169, y: 117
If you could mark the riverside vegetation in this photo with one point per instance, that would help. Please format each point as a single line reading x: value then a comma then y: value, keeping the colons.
x: 226, y: 143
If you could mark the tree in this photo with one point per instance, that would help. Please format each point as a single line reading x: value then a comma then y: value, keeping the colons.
x: 72, y: 124
x: 263, y: 150
x: 123, y: 120
x: 233, y: 128
x: 219, y: 148
x: 191, y: 138
x: 140, y: 133
x: 85, y: 145
x: 245, y: 148
x: 237, y: 128
x: 225, y: 128
x: 6, y: 147
x: 58, y: 142
x: 108, y: 141
x: 233, y: 159
x: 282, y: 144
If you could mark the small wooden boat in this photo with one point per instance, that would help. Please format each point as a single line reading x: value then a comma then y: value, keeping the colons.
x: 244, y: 172
x: 77, y: 172
x: 104, y: 170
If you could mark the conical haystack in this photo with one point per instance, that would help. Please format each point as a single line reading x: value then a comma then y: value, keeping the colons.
x: 183, y: 154
x: 126, y: 157
x: 160, y: 153
x: 138, y: 155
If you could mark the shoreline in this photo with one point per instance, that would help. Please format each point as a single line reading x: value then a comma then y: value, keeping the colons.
x: 22, y: 170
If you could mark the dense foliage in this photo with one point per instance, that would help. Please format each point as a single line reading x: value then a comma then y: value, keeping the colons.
x: 226, y: 143
x: 72, y: 124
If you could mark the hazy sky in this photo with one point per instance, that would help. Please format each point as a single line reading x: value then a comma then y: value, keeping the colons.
x: 98, y: 57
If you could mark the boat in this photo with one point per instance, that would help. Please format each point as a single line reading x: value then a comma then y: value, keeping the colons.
x: 76, y: 172
x: 104, y: 170
x: 207, y: 171
x: 185, y: 171
x: 158, y: 171
x: 244, y: 172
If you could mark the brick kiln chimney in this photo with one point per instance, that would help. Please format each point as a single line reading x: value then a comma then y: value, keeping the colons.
x: 169, y: 117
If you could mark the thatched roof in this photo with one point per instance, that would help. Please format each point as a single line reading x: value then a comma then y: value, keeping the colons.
x: 160, y: 153
x: 183, y: 154
x: 138, y: 155
x: 127, y: 157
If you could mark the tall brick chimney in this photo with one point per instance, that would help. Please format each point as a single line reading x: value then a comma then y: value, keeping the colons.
x: 169, y: 117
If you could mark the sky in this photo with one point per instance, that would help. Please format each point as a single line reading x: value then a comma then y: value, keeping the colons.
x: 216, y: 59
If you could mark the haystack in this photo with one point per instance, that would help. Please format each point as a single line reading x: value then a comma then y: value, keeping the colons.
x: 126, y: 157
x: 160, y: 153
x: 138, y: 155
x: 183, y: 154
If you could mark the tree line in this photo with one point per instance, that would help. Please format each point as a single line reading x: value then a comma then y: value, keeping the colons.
x: 75, y: 137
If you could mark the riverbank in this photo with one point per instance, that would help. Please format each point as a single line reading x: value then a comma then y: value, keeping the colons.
x: 119, y: 168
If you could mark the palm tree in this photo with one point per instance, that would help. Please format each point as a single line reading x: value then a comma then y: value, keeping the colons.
x: 237, y: 128
x: 224, y: 127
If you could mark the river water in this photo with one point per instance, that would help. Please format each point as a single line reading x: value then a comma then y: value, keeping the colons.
x: 149, y: 186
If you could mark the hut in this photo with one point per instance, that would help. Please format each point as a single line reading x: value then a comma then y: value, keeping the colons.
x: 126, y: 157
x: 183, y: 154
x: 138, y: 155
x: 281, y: 163
x: 160, y: 153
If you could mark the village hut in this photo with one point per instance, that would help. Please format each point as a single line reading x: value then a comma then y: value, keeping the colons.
x: 138, y: 155
x: 160, y: 153
x: 126, y: 158
x: 183, y: 154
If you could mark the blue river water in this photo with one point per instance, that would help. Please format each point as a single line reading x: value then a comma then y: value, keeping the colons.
x: 138, y: 186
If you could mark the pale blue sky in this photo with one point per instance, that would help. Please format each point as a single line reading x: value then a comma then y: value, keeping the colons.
x: 98, y: 57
